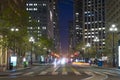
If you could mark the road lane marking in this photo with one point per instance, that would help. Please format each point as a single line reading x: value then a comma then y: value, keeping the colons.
x: 16, y: 73
x: 29, y: 73
x: 64, y: 72
x: 43, y: 73
x: 75, y: 71
x: 54, y: 73
x: 108, y: 73
x: 56, y: 68
x: 88, y: 73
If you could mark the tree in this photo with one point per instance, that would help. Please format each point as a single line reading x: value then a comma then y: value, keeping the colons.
x: 14, y: 15
x: 80, y: 46
x: 109, y: 43
x: 44, y: 44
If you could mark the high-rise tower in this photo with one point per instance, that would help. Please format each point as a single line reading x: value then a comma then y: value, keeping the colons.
x: 43, y: 19
x: 89, y: 22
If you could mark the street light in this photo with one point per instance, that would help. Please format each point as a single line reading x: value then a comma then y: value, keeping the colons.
x: 88, y: 46
x: 83, y: 49
x: 96, y: 39
x: 14, y: 30
x: 113, y: 29
x: 31, y: 40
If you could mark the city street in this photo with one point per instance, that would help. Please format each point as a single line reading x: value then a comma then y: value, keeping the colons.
x: 62, y: 72
x: 59, y: 39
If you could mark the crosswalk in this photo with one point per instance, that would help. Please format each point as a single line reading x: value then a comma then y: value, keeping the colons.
x: 49, y: 71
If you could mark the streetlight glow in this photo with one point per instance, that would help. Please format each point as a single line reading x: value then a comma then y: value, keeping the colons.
x: 96, y: 39
x: 88, y: 45
x: 113, y: 28
x: 14, y: 29
x: 31, y: 39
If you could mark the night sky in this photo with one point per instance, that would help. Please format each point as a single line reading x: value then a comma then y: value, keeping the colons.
x: 65, y: 12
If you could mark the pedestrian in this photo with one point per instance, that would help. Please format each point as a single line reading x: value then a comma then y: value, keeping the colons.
x: 90, y: 62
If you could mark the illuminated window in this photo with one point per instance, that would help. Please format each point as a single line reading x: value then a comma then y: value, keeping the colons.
x: 93, y: 33
x: 30, y: 4
x: 27, y: 9
x: 30, y: 9
x: 77, y: 13
x: 26, y: 4
x: 39, y: 34
x: 92, y: 29
x: 31, y: 28
x: 35, y: 9
x: 30, y: 20
x: 99, y: 28
x: 44, y: 4
x: 85, y: 36
x: 29, y: 17
x: 38, y: 27
x: 85, y: 29
x: 38, y: 21
x: 77, y: 27
x: 77, y: 32
x: 35, y: 4
x: 103, y: 28
x: 53, y: 22
x: 53, y: 7
x: 38, y: 31
x: 77, y: 20
x: 44, y: 27
x: 103, y: 42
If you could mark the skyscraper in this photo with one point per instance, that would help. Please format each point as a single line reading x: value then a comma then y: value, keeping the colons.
x: 38, y: 10
x: 89, y: 22
x: 43, y: 18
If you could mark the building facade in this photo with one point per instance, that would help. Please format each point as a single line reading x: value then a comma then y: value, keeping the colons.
x: 89, y: 22
x: 71, y: 37
x: 38, y: 19
x: 112, y: 12
x: 43, y: 14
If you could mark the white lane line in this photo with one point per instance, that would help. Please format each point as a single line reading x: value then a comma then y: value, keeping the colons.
x: 56, y: 68
x: 28, y: 73
x: 16, y: 73
x: 64, y: 73
x: 109, y: 73
x: 43, y: 73
x: 88, y: 73
x: 54, y: 73
x: 77, y: 73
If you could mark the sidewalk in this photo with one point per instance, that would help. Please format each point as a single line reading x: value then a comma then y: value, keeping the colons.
x: 4, y: 69
x: 7, y: 72
x: 109, y: 67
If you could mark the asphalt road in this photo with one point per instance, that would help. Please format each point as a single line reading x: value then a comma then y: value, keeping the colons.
x: 60, y: 72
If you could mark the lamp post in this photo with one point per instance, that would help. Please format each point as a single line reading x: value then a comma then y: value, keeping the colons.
x: 96, y: 39
x: 31, y: 40
x: 14, y: 30
x: 88, y: 46
x: 113, y: 29
x: 83, y: 49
